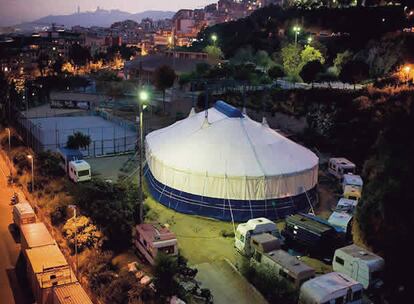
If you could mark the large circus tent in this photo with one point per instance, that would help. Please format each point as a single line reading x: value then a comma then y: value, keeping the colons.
x: 222, y: 164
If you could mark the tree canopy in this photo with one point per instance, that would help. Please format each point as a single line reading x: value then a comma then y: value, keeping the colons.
x: 78, y: 140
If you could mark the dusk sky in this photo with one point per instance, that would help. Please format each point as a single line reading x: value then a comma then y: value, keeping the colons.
x: 16, y: 11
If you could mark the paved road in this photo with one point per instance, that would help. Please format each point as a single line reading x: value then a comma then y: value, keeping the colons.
x: 10, y: 291
x: 226, y: 285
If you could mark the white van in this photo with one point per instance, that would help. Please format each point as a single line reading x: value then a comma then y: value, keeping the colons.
x: 253, y: 227
x: 360, y: 264
x: 79, y: 171
x: 338, y: 166
x: 331, y: 288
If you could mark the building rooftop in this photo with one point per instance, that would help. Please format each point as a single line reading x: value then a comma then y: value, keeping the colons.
x: 309, y: 222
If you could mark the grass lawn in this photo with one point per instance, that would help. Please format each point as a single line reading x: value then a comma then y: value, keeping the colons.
x: 199, y: 238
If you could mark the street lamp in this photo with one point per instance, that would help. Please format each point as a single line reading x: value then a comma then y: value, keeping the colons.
x: 32, y: 163
x: 214, y: 39
x: 76, y: 238
x: 407, y: 70
x: 143, y: 96
x: 310, y: 39
x: 296, y: 30
x: 8, y: 133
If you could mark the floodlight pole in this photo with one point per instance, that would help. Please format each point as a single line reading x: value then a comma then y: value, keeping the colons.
x: 141, y: 158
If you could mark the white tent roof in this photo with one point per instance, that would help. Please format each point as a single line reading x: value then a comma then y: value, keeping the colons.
x: 228, y: 146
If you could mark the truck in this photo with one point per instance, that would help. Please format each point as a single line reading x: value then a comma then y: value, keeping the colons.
x: 338, y: 166
x: 35, y: 235
x: 47, y: 269
x: 359, y: 264
x: 245, y: 231
x: 331, y: 288
x: 23, y: 214
x: 70, y: 294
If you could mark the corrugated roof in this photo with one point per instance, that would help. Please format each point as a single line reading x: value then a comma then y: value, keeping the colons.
x: 36, y: 235
x: 289, y: 262
x: 71, y: 294
x: 46, y: 257
x: 308, y: 223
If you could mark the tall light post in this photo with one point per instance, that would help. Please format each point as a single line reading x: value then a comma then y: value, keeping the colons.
x: 214, y: 39
x: 32, y: 163
x: 143, y: 101
x: 9, y: 133
x: 76, y: 238
x: 296, y: 30
x: 407, y: 70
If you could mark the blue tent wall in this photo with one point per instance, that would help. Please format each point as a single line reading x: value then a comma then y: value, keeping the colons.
x: 220, y: 208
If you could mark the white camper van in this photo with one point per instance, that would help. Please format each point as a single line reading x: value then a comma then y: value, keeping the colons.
x: 338, y: 166
x: 346, y: 205
x: 79, y: 171
x: 360, y: 264
x: 253, y: 227
x: 341, y: 221
x: 331, y: 288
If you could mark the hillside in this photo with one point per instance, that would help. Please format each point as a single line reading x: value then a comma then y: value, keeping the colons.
x: 100, y: 17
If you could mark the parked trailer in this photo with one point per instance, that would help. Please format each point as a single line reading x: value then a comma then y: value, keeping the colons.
x: 285, y: 266
x: 253, y: 227
x: 70, y: 294
x: 35, y: 235
x: 338, y: 166
x: 47, y: 268
x: 150, y: 239
x: 360, y: 264
x: 331, y: 288
x: 314, y: 234
x: 352, y: 180
x: 23, y: 214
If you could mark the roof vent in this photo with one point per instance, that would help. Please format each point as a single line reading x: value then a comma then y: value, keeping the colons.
x: 363, y: 253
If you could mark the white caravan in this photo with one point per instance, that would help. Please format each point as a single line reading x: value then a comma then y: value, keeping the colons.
x: 343, y: 214
x: 79, y: 171
x: 338, y: 166
x: 360, y: 264
x: 23, y: 214
x: 331, y: 288
x: 352, y: 180
x: 253, y: 227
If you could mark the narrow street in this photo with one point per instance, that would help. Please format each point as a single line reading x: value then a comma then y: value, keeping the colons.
x: 10, y: 291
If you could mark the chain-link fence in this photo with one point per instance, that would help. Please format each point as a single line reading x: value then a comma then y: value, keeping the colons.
x: 111, y: 136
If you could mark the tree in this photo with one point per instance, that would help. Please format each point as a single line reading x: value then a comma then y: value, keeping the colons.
x: 291, y: 59
x: 340, y: 60
x: 4, y: 88
x: 166, y: 267
x: 311, y: 70
x: 385, y: 214
x: 276, y: 72
x: 202, y: 68
x: 213, y: 52
x: 42, y: 63
x: 49, y: 164
x: 79, y: 55
x: 87, y: 233
x: 164, y: 78
x: 78, y: 140
x: 263, y: 60
x: 354, y: 71
x: 308, y: 54
x: 243, y: 55
x: 112, y: 207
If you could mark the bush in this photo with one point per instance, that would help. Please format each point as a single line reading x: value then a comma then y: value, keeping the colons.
x: 165, y: 269
x: 88, y: 235
x: 58, y: 215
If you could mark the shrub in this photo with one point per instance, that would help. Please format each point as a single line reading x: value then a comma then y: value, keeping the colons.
x: 88, y: 235
x: 58, y: 215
